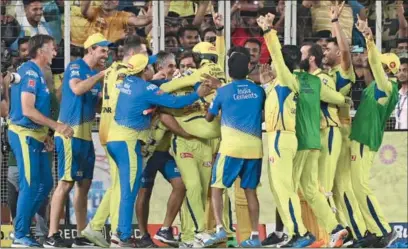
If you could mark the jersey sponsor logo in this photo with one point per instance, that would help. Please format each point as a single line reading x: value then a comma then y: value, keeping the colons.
x: 176, y: 170
x: 186, y: 155
x: 31, y: 83
x: 325, y: 81
x: 79, y: 173
x: 392, y: 65
x: 126, y: 89
x: 151, y: 87
x: 74, y: 73
x: 244, y: 93
x: 32, y: 73
x: 74, y: 67
x: 353, y: 158
x: 94, y: 92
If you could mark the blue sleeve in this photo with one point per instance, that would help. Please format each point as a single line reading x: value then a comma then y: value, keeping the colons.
x: 30, y: 82
x: 155, y: 96
x: 73, y: 71
x: 158, y: 82
x: 356, y: 7
x: 216, y: 104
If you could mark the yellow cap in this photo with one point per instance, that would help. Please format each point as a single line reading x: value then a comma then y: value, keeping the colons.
x: 138, y: 62
x: 392, y: 61
x: 205, y: 48
x: 96, y: 39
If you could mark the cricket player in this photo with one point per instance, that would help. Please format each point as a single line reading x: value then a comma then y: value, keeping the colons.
x: 377, y: 104
x: 280, y: 119
x: 109, y: 205
x: 129, y: 132
x: 28, y: 136
x: 241, y: 104
x: 76, y: 156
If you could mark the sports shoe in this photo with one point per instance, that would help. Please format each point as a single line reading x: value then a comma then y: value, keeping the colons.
x: 253, y: 241
x: 386, y: 241
x: 166, y: 236
x: 190, y: 244
x: 146, y: 242
x: 368, y: 240
x: 114, y: 241
x: 298, y: 241
x: 82, y: 242
x: 274, y: 241
x: 349, y: 240
x: 202, y: 238
x: 232, y: 242
x: 216, y: 238
x: 95, y: 236
x: 131, y: 242
x: 337, y: 237
x: 25, y: 241
x: 56, y: 241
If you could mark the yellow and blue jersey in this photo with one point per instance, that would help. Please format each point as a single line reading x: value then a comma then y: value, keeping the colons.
x: 343, y: 80
x: 280, y: 104
x: 32, y: 81
x: 241, y: 103
x: 78, y: 111
x: 136, y: 96
x: 114, y: 77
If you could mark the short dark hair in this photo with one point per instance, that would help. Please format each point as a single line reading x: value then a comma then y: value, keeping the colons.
x: 253, y: 40
x: 238, y: 64
x: 210, y: 29
x: 239, y: 49
x: 132, y: 42
x: 334, y: 40
x: 404, y: 61
x: 183, y: 30
x: 23, y: 40
x: 28, y: 2
x: 36, y: 42
x: 183, y: 55
x: 316, y: 51
x: 291, y: 56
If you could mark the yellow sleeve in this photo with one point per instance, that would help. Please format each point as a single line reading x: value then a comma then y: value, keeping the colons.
x: 282, y: 71
x: 377, y: 69
x: 220, y: 47
x: 182, y: 82
x: 331, y: 96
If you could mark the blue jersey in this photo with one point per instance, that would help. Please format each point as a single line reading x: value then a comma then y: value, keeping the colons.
x: 32, y: 81
x: 136, y: 96
x: 241, y: 103
x: 78, y: 111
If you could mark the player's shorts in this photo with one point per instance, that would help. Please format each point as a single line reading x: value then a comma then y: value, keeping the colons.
x: 76, y: 158
x: 226, y: 170
x: 160, y: 161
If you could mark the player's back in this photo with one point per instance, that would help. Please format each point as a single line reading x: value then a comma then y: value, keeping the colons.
x: 114, y: 77
x: 78, y: 111
x: 241, y: 104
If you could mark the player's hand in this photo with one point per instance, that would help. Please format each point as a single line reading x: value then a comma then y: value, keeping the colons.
x: 211, y: 81
x: 348, y: 101
x: 49, y: 143
x: 218, y: 20
x: 65, y: 130
x: 362, y: 26
x: 336, y: 9
x: 159, y: 76
x: 265, y: 74
x: 204, y: 90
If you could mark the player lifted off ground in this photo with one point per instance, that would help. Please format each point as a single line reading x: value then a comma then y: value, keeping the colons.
x: 76, y: 155
x: 28, y: 136
x: 109, y: 206
x: 240, y: 155
x: 130, y: 129
x: 280, y: 119
x: 377, y: 104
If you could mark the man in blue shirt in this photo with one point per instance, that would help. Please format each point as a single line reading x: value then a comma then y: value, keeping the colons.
x: 240, y: 155
x: 130, y: 131
x: 29, y: 125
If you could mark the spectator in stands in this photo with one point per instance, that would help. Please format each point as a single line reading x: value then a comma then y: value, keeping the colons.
x: 401, y: 110
x: 402, y: 48
x: 171, y: 42
x: 188, y: 36
x: 186, y: 62
x: 363, y: 73
x: 22, y: 51
x: 254, y: 47
x: 32, y: 24
x: 358, y: 9
x: 106, y: 19
x: 209, y: 35
x: 171, y: 24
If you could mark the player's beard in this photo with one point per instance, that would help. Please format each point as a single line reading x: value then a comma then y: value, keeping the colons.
x: 304, y: 64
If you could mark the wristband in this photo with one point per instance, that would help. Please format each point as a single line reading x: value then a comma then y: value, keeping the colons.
x: 335, y: 20
x: 220, y: 28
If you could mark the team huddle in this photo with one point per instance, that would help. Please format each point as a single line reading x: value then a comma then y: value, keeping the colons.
x: 203, y: 131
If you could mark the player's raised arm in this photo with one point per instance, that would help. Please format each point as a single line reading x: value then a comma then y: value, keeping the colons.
x: 335, y: 12
x: 374, y: 58
x: 220, y: 39
x: 179, y: 83
x: 274, y: 48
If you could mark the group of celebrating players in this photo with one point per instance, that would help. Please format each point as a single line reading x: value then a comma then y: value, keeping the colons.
x: 152, y: 122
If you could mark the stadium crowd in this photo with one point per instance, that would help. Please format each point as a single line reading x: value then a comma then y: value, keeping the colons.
x: 49, y: 107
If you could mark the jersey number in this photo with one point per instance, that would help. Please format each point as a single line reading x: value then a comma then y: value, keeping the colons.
x: 105, y: 93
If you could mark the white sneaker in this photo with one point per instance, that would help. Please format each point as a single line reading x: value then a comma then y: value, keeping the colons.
x: 190, y: 244
x: 95, y: 236
x: 202, y: 238
x: 114, y: 241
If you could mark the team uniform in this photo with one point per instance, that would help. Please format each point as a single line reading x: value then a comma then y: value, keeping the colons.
x: 312, y: 90
x: 76, y: 155
x: 280, y: 120
x: 109, y: 205
x: 26, y: 139
x: 378, y: 102
x: 127, y: 134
